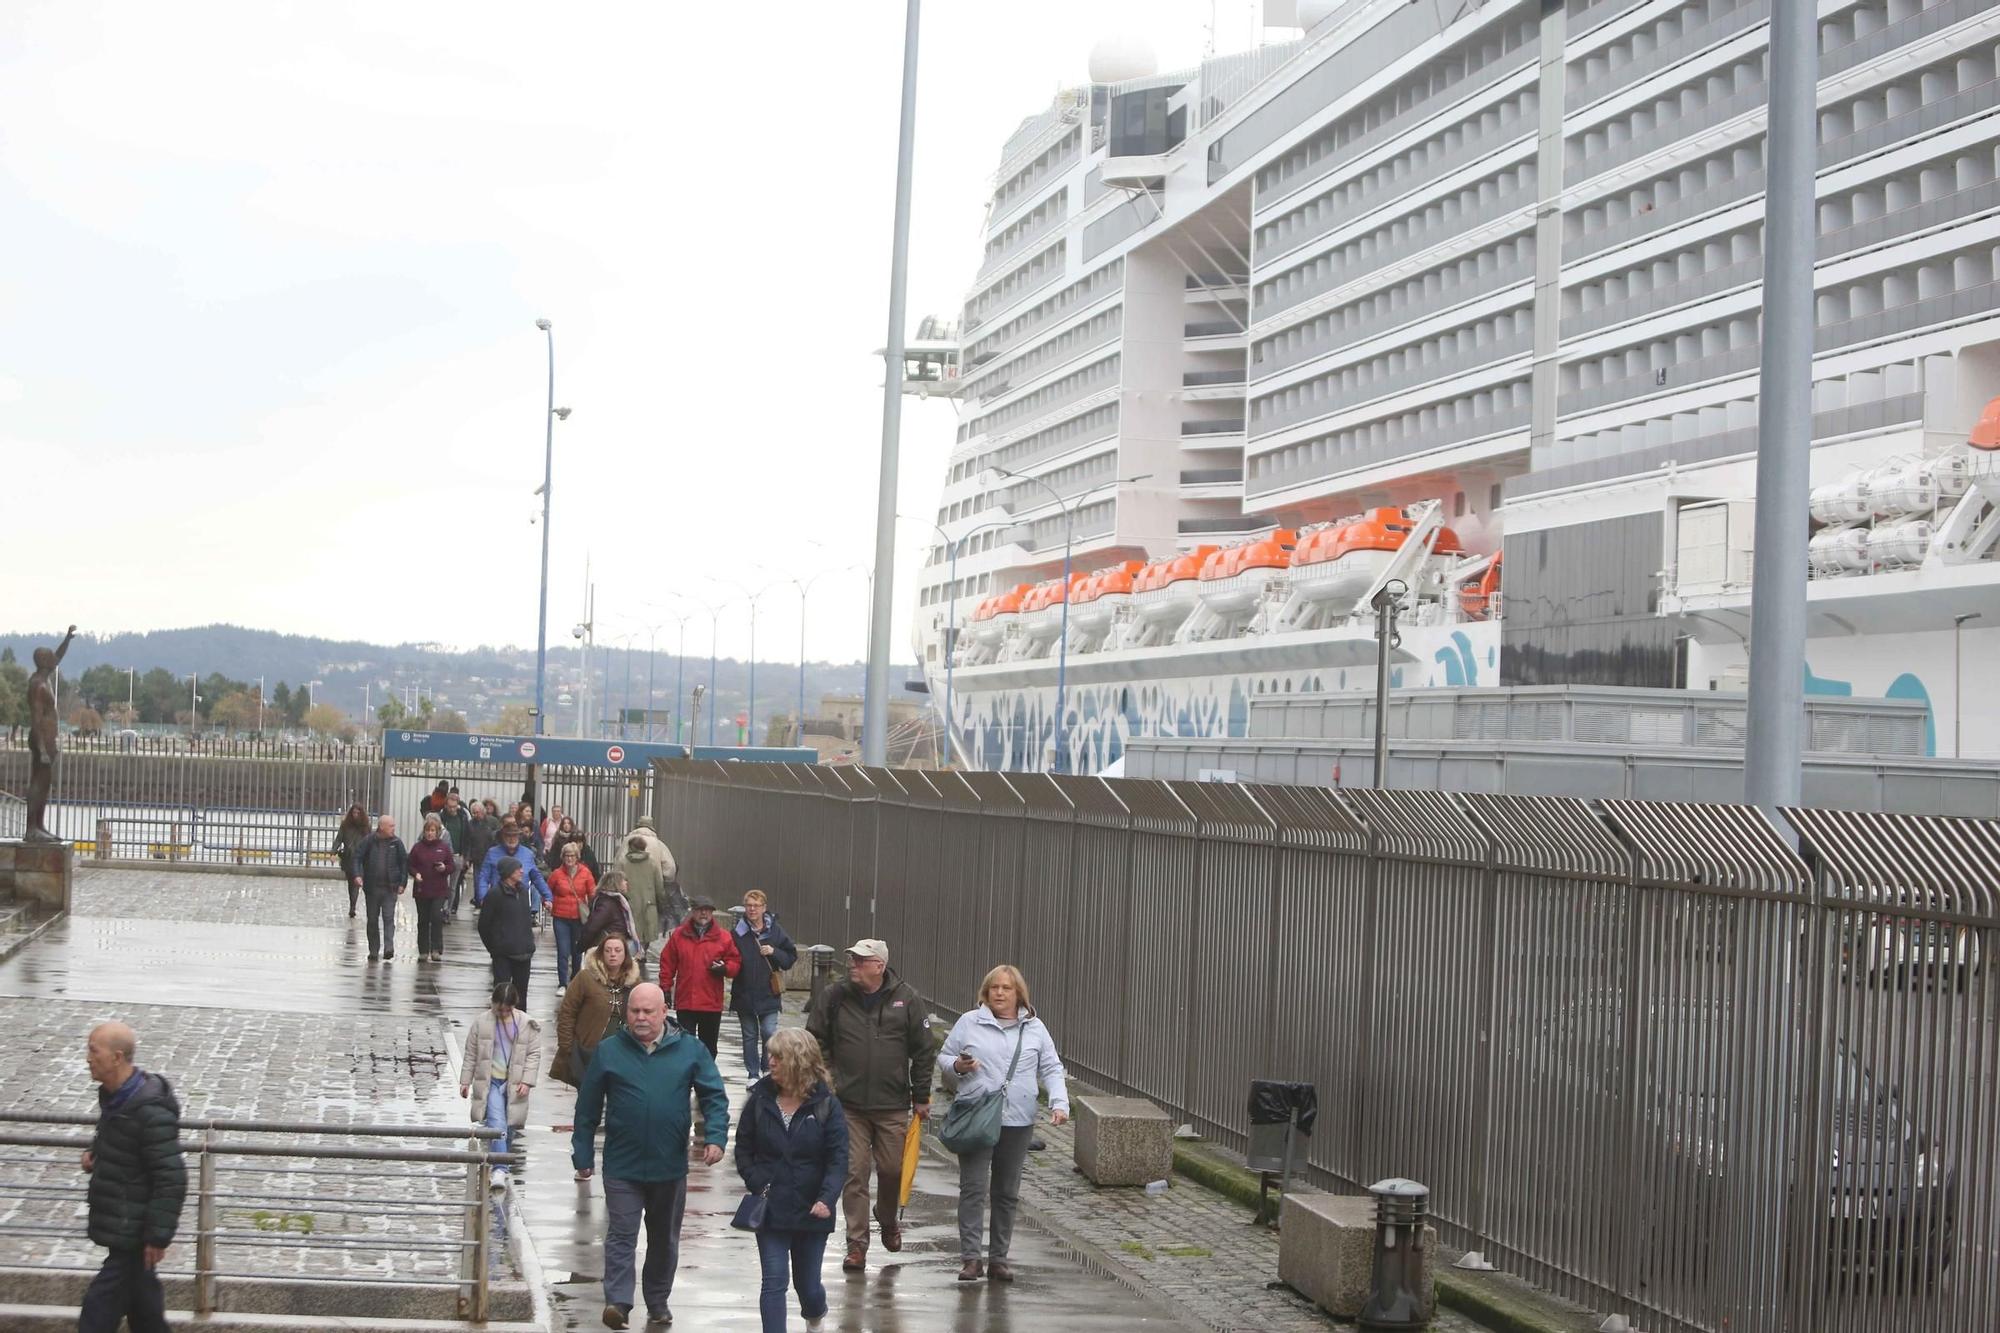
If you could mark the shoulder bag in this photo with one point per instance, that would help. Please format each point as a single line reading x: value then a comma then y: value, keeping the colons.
x: 750, y: 1213
x: 973, y: 1123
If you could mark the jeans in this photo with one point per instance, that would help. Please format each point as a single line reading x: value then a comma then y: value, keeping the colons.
x: 1000, y: 1167
x: 706, y: 1027
x: 757, y: 1041
x: 515, y: 970
x: 126, y: 1289
x: 430, y: 926
x: 568, y: 931
x: 662, y: 1202
x: 803, y: 1251
x: 496, y: 1116
x: 874, y: 1142
x: 381, y: 919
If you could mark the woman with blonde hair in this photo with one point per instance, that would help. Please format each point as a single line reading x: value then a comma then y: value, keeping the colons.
x: 791, y: 1147
x: 999, y: 1046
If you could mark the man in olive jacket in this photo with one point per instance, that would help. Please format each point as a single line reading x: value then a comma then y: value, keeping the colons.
x: 137, y: 1183
x: 879, y: 1047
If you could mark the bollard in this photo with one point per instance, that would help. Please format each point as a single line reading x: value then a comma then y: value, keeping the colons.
x: 1396, y: 1287
x: 824, y: 973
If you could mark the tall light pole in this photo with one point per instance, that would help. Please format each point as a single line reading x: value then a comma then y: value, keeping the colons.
x: 1062, y: 650
x: 131, y: 693
x: 1775, y: 742
x: 554, y: 415
x: 875, y: 700
x: 1958, y: 675
x: 260, y: 707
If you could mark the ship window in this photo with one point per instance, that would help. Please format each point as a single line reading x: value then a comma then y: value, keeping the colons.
x: 1493, y: 496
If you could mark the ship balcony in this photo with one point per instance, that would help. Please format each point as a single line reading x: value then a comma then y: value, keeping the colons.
x: 1212, y: 483
x: 1137, y: 172
x: 1894, y: 601
x: 1212, y: 386
x: 1213, y: 334
x: 1215, y: 433
x: 1224, y: 526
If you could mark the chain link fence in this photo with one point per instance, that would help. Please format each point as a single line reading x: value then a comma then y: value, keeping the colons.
x: 1653, y: 1057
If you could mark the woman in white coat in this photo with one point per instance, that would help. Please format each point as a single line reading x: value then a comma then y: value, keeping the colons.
x: 977, y: 1054
x: 503, y: 1059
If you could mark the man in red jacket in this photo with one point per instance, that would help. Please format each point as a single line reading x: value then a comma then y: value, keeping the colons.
x: 695, y: 962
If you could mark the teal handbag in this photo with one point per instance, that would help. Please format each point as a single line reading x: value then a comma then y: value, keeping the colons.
x: 973, y: 1123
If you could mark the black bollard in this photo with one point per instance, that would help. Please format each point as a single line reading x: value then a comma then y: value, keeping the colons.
x: 823, y: 971
x: 1396, y: 1288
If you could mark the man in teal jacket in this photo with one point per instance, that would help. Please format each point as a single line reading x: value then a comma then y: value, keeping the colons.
x: 638, y: 1083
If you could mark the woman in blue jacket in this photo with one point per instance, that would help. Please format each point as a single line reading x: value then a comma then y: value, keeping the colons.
x: 766, y: 950
x: 791, y: 1147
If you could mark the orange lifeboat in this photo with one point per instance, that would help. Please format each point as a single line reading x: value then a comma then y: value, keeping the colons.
x: 1986, y: 432
x: 1233, y: 577
x: 1164, y: 591
x: 1475, y: 599
x: 1100, y: 595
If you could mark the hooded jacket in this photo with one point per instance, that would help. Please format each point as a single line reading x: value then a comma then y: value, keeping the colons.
x: 593, y: 1005
x: 981, y: 1035
x: 524, y: 1065
x: 507, y: 923
x: 684, y: 966
x: 137, y: 1178
x: 643, y: 1101
x: 656, y: 847
x: 752, y: 992
x: 489, y: 873
x: 431, y: 867
x: 799, y: 1165
x: 647, y: 894
x: 880, y: 1055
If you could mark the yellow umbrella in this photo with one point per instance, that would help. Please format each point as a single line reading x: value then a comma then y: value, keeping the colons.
x: 913, y: 1139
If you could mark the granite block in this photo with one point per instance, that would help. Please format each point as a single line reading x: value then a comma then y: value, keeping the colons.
x: 1123, y: 1141
x: 1326, y: 1251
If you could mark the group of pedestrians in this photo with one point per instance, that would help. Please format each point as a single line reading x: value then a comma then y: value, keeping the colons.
x: 521, y: 866
x: 827, y: 1118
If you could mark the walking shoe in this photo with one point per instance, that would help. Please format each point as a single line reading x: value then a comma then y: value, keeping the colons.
x: 999, y: 1271
x: 1036, y: 1145
x: 969, y: 1271
x: 387, y: 954
x: 856, y: 1260
x: 892, y: 1239
x: 614, y: 1315
x: 374, y: 957
x: 664, y: 1319
x: 815, y: 1325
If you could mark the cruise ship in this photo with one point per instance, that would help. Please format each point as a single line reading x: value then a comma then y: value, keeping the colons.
x: 1457, y: 308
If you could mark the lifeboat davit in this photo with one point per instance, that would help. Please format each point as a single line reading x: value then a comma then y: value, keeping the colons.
x: 1233, y: 578
x: 1341, y: 560
x: 1475, y: 599
x: 1100, y: 594
x: 1164, y: 591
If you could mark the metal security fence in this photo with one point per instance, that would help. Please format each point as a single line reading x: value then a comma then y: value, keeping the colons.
x: 1647, y: 1055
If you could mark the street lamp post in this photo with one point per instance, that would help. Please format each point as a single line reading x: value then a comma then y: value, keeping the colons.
x: 553, y: 415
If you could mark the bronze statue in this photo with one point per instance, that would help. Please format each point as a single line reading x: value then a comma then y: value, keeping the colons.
x: 42, y: 748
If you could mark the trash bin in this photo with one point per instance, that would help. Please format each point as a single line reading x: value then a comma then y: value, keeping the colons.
x: 1279, y: 1113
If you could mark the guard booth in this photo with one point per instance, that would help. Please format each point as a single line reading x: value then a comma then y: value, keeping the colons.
x: 604, y: 785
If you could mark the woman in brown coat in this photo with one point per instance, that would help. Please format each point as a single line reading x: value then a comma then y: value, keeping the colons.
x: 594, y: 1006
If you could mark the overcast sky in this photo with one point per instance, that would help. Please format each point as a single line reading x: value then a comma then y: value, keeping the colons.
x: 269, y: 355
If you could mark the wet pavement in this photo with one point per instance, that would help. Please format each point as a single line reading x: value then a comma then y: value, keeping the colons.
x: 254, y: 995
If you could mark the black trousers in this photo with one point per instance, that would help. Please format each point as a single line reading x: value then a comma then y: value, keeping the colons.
x: 514, y: 970
x: 430, y: 926
x: 706, y: 1027
x: 123, y: 1289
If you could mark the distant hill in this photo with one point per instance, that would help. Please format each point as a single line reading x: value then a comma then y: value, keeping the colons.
x: 478, y: 682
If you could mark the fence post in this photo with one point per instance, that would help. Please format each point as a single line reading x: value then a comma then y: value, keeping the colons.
x: 204, y: 1228
x: 482, y: 1232
x: 1485, y: 995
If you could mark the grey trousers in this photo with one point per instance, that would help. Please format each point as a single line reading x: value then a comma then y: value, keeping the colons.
x: 997, y: 1171
x: 662, y: 1202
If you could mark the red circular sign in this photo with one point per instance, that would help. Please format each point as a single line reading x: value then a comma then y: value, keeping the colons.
x: 616, y: 754
x: 527, y: 749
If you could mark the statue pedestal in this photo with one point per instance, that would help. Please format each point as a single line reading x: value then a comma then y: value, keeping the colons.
x: 39, y: 875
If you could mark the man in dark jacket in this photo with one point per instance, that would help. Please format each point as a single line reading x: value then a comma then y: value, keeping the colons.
x: 137, y: 1183
x: 507, y: 928
x: 482, y: 830
x: 382, y: 868
x: 767, y: 950
x: 639, y: 1082
x: 879, y: 1047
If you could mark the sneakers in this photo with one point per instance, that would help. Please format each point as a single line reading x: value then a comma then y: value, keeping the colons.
x: 815, y: 1325
x: 614, y: 1315
x: 664, y: 1319
x: 856, y: 1260
x: 560, y: 990
x: 387, y: 954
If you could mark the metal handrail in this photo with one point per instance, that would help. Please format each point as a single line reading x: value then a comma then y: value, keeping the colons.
x: 473, y: 1246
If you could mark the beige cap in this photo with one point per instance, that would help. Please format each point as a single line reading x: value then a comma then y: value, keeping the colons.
x: 869, y: 949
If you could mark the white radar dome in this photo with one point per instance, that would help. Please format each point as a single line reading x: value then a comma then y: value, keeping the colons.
x: 1116, y: 59
x: 1312, y: 13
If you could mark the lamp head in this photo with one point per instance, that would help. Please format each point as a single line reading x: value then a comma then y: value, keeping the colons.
x: 542, y: 324
x: 562, y: 414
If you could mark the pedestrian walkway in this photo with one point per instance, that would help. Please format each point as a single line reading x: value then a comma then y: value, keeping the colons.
x: 253, y: 994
